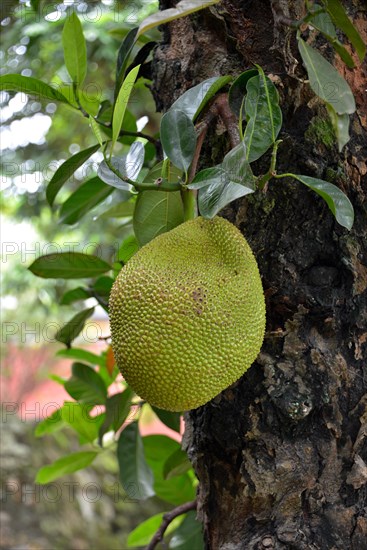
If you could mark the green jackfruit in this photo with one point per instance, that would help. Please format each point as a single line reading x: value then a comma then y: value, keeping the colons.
x: 187, y: 314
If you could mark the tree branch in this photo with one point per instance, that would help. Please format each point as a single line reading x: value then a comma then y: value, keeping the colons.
x: 168, y: 517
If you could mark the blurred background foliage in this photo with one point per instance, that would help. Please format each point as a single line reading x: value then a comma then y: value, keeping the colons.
x: 37, y: 136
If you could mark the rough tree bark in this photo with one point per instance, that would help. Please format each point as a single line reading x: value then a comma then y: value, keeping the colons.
x: 281, y: 455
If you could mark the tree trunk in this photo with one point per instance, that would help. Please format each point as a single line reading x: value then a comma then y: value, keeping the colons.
x: 281, y: 455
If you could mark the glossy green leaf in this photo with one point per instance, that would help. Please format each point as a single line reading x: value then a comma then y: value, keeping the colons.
x: 86, y: 385
x: 135, y: 475
x: 323, y: 23
x: 237, y: 91
x: 183, y: 8
x: 127, y: 249
x: 83, y: 200
x: 156, y: 212
x: 65, y: 465
x: 325, y: 81
x: 82, y: 355
x: 121, y: 104
x: 176, y: 490
x: 115, y: 176
x: 189, y: 534
x: 263, y: 116
x: 30, y: 86
x: 342, y: 21
x: 75, y: 50
x: 68, y: 265
x: 117, y: 410
x: 144, y: 532
x: 120, y: 210
x: 50, y: 424
x: 170, y: 419
x: 77, y: 415
x: 74, y: 295
x: 73, y: 328
x: 66, y: 170
x: 220, y: 185
x: 126, y: 166
x: 341, y: 126
x: 123, y: 57
x: 336, y: 200
x: 178, y: 138
x: 193, y: 101
x: 176, y: 464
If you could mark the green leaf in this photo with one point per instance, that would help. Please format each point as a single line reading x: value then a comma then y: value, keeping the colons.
x: 325, y: 81
x: 123, y: 57
x: 30, y: 86
x: 86, y: 385
x: 117, y: 410
x: 135, y: 474
x: 220, y: 185
x: 82, y: 355
x: 237, y: 91
x: 120, y: 210
x: 178, y: 138
x: 68, y: 265
x: 97, y: 130
x: 65, y: 465
x: 102, y: 286
x: 342, y: 21
x: 193, y: 101
x: 323, y: 23
x: 336, y: 200
x: 149, y: 216
x: 72, y: 328
x: 66, y: 170
x: 176, y: 464
x: 127, y: 249
x: 83, y: 200
x: 74, y: 295
x: 263, y: 115
x: 170, y: 419
x: 144, y: 532
x: 75, y: 50
x: 121, y: 104
x: 188, y: 535
x: 50, y: 424
x: 156, y: 212
x: 176, y: 490
x: 78, y: 417
x: 127, y: 166
x: 183, y: 8
x: 341, y: 126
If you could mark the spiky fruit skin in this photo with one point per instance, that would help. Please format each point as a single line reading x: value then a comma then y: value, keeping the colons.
x: 187, y: 314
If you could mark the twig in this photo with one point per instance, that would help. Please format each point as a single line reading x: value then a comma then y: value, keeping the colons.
x: 228, y: 118
x: 203, y: 128
x: 168, y: 517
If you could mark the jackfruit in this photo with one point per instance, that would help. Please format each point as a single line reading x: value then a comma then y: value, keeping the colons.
x: 187, y: 314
